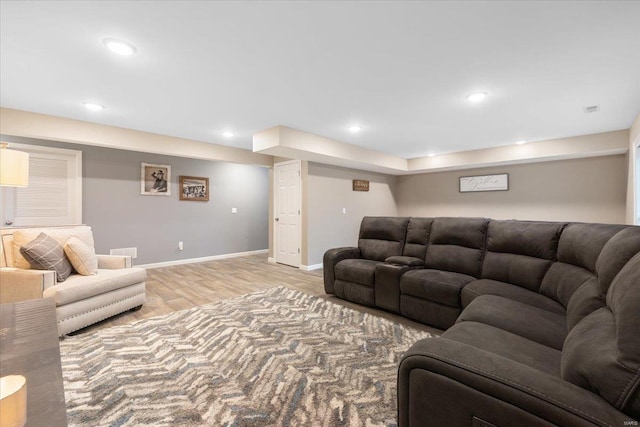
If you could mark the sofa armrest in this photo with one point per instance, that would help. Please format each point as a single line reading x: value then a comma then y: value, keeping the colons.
x: 329, y: 261
x: 17, y: 284
x: 114, y: 262
x: 445, y: 382
x: 409, y: 261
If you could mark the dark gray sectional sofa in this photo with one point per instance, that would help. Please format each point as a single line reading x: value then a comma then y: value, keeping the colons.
x: 542, y: 319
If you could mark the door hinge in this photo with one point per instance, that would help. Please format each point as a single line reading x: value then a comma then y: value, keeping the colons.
x: 298, y: 173
x: 298, y: 211
x: 298, y: 250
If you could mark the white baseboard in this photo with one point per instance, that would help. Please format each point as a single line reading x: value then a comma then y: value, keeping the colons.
x: 203, y: 259
x: 302, y: 266
x: 311, y: 267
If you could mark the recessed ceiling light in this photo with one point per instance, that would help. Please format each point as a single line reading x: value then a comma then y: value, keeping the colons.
x: 476, y: 96
x: 522, y: 141
x: 355, y: 128
x: 227, y: 134
x: 431, y: 155
x: 93, y: 107
x: 120, y: 47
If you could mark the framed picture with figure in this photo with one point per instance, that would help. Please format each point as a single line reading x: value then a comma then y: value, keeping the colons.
x: 194, y: 188
x: 155, y: 180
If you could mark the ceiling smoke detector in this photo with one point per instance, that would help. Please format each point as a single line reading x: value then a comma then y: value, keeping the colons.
x: 592, y: 109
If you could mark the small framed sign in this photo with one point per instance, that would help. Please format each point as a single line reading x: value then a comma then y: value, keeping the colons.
x: 499, y: 182
x: 194, y: 188
x: 360, y: 185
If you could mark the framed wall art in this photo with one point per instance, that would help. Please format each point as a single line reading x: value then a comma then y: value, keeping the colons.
x: 360, y: 185
x: 155, y: 180
x: 194, y: 188
x: 499, y: 182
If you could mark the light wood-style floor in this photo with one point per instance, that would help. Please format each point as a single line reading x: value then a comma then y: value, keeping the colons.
x: 184, y: 286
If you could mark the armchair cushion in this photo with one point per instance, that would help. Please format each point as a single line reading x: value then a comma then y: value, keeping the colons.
x: 78, y: 288
x: 82, y: 257
x: 45, y: 253
x: 22, y: 236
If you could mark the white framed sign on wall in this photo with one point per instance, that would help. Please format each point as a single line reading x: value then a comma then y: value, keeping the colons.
x: 499, y: 182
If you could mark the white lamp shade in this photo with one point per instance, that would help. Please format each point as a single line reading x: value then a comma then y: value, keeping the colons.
x: 13, y: 401
x: 14, y: 168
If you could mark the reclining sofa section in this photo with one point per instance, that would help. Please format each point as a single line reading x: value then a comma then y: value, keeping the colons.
x: 542, y: 319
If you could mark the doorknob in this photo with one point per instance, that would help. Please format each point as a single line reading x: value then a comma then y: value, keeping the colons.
x: 277, y: 219
x: 8, y: 222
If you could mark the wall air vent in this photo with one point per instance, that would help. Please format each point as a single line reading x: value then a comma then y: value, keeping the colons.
x: 592, y: 109
x: 132, y: 252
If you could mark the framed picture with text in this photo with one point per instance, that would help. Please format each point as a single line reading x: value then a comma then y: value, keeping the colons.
x: 498, y: 182
x: 194, y: 188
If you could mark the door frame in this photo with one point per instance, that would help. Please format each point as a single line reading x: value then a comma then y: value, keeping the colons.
x: 275, y: 209
x: 634, y: 165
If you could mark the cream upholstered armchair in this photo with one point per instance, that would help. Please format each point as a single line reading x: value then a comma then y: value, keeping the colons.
x: 81, y: 299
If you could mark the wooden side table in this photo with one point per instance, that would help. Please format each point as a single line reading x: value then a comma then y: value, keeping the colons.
x: 29, y: 347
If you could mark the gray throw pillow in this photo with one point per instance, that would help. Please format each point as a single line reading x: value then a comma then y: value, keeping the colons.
x: 45, y: 253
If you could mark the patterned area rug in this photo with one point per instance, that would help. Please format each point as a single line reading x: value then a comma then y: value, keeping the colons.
x: 272, y: 358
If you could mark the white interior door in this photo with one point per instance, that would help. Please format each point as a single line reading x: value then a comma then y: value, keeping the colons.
x: 287, y: 213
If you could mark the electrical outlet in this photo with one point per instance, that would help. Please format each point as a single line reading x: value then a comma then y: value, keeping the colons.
x: 344, y: 211
x: 181, y: 245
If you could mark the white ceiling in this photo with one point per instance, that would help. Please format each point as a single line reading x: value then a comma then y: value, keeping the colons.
x: 400, y: 69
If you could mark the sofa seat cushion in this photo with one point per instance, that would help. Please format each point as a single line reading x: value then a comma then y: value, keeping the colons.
x: 357, y: 271
x: 525, y: 320
x: 506, y: 344
x: 440, y: 286
x: 507, y: 290
x: 77, y: 287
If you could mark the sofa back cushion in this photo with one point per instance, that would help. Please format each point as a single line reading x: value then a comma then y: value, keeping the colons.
x: 457, y: 245
x: 382, y: 237
x: 579, y: 247
x: 520, y: 252
x: 615, y: 254
x: 418, y: 232
x: 602, y: 352
x: 16, y: 238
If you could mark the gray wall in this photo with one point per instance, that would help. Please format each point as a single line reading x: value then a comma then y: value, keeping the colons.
x: 121, y: 217
x: 586, y: 190
x: 329, y: 189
